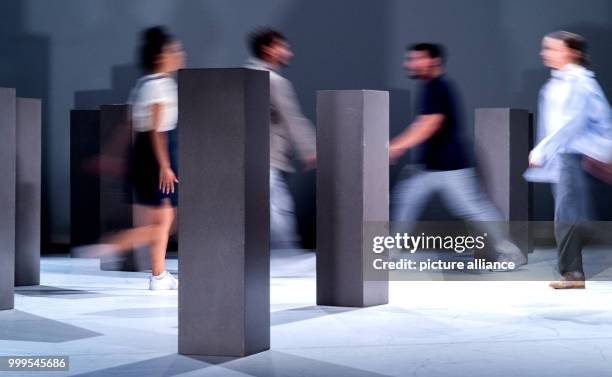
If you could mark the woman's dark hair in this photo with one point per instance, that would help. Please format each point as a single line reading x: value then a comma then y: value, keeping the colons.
x: 153, y: 41
x: 263, y: 37
x: 574, y: 42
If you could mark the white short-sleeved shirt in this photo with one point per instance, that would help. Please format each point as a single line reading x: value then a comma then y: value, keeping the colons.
x: 150, y: 90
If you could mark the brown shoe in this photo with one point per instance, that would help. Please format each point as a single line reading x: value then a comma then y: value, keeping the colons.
x: 569, y: 281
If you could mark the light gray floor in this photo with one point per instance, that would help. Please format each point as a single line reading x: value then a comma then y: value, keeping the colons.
x: 111, y: 325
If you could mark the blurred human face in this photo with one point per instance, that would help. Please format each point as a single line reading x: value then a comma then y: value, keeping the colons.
x: 172, y: 57
x: 419, y: 65
x: 279, y: 52
x: 555, y: 53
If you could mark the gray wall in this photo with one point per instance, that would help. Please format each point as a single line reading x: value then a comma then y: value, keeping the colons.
x: 80, y: 53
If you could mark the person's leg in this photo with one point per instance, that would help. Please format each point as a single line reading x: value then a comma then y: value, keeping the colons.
x: 571, y: 213
x: 467, y: 200
x: 283, y: 227
x: 410, y: 196
x: 154, y: 228
x: 164, y: 218
x: 127, y: 239
x: 144, y: 231
x: 408, y: 199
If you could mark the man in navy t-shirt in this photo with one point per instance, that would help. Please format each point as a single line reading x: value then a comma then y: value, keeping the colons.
x: 445, y: 149
x: 447, y: 169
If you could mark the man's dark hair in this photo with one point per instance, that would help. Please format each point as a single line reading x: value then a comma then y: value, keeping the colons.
x: 433, y: 50
x: 263, y: 37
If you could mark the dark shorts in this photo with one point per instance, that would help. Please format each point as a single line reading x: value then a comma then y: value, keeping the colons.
x: 144, y: 170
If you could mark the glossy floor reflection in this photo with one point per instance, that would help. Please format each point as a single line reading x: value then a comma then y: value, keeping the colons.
x: 111, y: 325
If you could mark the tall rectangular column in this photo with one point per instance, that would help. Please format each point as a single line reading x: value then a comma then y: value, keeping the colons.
x: 84, y: 178
x: 501, y: 139
x: 224, y: 223
x: 116, y: 211
x: 28, y: 194
x: 8, y: 172
x: 352, y: 192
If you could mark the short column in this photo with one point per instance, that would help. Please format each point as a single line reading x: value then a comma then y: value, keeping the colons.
x: 116, y: 211
x: 8, y: 168
x: 501, y: 139
x: 224, y: 223
x: 84, y: 178
x: 27, y: 232
x: 352, y: 192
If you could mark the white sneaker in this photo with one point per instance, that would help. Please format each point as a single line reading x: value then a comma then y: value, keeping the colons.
x: 175, y: 280
x: 165, y: 281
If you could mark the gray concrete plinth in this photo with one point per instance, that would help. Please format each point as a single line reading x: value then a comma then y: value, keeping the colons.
x: 501, y: 138
x: 28, y: 193
x: 224, y: 224
x: 352, y: 193
x: 8, y: 172
x: 116, y: 210
x: 84, y: 178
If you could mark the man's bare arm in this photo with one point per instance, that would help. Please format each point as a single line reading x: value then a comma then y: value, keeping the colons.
x: 423, y: 128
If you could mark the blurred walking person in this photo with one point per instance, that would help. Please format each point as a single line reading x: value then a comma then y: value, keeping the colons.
x: 574, y: 128
x: 153, y: 166
x: 289, y: 130
x: 447, y: 167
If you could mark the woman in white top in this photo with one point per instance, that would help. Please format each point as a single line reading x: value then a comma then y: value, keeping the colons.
x: 154, y: 118
x: 153, y: 162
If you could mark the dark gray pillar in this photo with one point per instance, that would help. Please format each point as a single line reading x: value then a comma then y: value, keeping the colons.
x: 29, y: 145
x: 115, y: 141
x: 501, y: 138
x: 84, y: 177
x: 224, y: 224
x: 8, y: 152
x: 352, y: 192
x: 116, y: 212
x: 399, y: 113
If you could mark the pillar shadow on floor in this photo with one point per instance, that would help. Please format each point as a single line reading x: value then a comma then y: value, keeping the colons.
x: 283, y: 317
x: 25, y: 327
x: 160, y: 312
x: 56, y: 292
x: 280, y: 317
x: 265, y: 364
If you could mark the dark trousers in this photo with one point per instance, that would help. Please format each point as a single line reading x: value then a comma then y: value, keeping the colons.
x: 574, y: 210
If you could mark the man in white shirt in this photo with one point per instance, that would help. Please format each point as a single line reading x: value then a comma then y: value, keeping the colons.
x: 289, y: 130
